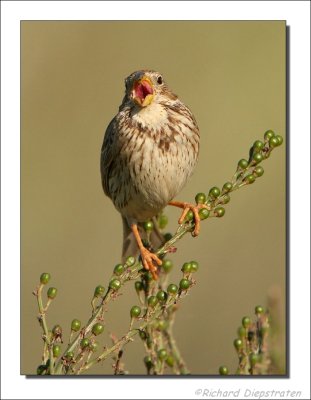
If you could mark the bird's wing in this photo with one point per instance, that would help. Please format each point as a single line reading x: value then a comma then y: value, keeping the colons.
x: 107, y: 155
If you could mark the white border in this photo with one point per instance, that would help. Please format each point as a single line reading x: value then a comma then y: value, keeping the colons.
x: 297, y: 14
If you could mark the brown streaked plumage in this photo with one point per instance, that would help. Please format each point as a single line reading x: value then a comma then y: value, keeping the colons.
x: 149, y: 152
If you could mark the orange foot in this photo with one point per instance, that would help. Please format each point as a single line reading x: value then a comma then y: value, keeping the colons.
x: 148, y: 258
x: 194, y: 208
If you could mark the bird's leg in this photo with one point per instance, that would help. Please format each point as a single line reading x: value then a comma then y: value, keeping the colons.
x: 194, y: 208
x: 146, y: 255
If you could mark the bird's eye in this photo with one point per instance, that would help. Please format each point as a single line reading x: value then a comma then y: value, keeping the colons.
x: 160, y: 80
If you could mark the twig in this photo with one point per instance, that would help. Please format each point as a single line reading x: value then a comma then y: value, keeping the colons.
x: 246, y: 173
x: 43, y: 323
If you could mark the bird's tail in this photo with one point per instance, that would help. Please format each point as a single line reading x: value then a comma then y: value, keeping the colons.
x: 130, y: 247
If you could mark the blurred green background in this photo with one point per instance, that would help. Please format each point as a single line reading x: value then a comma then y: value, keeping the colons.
x: 232, y: 76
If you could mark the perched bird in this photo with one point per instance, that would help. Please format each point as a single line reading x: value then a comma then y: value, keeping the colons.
x: 149, y: 152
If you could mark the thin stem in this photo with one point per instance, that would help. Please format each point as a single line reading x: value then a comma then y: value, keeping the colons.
x: 130, y: 274
x: 182, y: 368
x: 84, y: 330
x: 125, y: 339
x: 42, y: 313
x: 177, y: 355
x: 181, y: 231
x: 43, y: 323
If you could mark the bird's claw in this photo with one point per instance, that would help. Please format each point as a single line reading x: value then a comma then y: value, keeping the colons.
x: 195, y: 208
x: 148, y: 260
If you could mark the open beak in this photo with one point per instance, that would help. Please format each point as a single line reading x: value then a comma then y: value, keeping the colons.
x: 143, y: 92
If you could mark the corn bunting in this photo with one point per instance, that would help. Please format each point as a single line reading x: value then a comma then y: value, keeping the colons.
x: 149, y: 152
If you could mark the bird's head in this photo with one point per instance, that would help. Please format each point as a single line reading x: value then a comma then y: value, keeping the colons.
x: 143, y: 87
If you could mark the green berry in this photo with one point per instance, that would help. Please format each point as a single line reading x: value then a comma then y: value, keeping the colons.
x: 44, y: 278
x: 280, y: 139
x: 259, y: 310
x: 172, y: 289
x: 135, y: 311
x: 241, y: 332
x: 162, y: 325
x: 273, y: 142
x: 52, y: 292
x: 41, y: 368
x: 139, y: 286
x: 194, y: 266
x: 130, y: 261
x: 56, y: 350
x: 147, y: 276
x: 148, y: 226
x: 167, y: 265
x: 223, y: 370
x: 249, y: 179
x: 268, y: 135
x: 162, y: 296
x: 258, y: 145
x: 246, y: 321
x: 225, y: 198
x: 152, y: 301
x: 189, y: 216
x: 200, y: 198
x: 257, y: 158
x: 170, y: 361
x: 118, y: 269
x: 75, y: 325
x: 99, y: 291
x: 143, y: 335
x: 115, y: 284
x: 97, y: 329
x: 94, y: 346
x: 258, y: 171
x: 184, y: 284
x: 227, y: 187
x: 162, y: 221
x: 214, y: 192
x: 243, y: 164
x: 168, y: 236
x: 148, y: 362
x: 162, y: 354
x: 219, y: 212
x: 69, y: 355
x: 84, y: 343
x: 203, y: 213
x: 238, y: 344
x: 253, y: 359
x: 186, y: 268
x: 149, y: 342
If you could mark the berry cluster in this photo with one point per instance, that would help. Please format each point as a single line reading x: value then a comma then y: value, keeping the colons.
x: 158, y: 300
x: 251, y: 345
x: 153, y: 318
x: 246, y: 173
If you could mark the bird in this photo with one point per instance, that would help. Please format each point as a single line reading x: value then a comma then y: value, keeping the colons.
x: 150, y: 150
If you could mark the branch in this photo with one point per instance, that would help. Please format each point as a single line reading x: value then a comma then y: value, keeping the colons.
x: 158, y: 296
